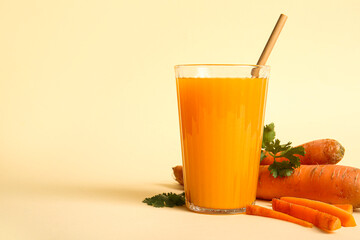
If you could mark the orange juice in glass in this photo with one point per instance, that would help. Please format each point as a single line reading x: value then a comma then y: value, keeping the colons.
x: 221, y: 113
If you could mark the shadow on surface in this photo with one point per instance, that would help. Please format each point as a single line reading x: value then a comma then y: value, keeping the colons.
x: 173, y: 186
x: 116, y: 194
x: 131, y: 194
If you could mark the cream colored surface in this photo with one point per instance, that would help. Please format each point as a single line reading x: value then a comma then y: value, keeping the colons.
x: 89, y: 123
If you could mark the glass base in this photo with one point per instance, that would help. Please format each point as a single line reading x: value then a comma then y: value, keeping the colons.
x: 198, y: 209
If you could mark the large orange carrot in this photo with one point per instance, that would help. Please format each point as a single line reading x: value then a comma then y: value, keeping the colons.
x: 347, y: 220
x: 322, y: 151
x: 346, y: 207
x: 265, y: 212
x: 322, y: 220
x: 333, y: 184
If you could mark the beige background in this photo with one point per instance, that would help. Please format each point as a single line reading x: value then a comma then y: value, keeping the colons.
x: 89, y: 123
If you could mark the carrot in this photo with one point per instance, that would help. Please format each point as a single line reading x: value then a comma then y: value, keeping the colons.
x: 322, y: 220
x: 178, y: 173
x: 333, y: 184
x: 265, y: 212
x: 346, y: 207
x: 347, y: 220
x: 322, y: 151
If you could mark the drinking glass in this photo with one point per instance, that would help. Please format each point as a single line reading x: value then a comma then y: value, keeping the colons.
x: 221, y: 112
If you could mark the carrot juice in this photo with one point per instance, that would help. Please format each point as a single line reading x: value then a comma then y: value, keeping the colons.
x: 221, y: 125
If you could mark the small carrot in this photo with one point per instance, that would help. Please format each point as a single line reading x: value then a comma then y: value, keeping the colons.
x: 346, y: 207
x: 322, y: 151
x: 265, y: 212
x: 333, y: 184
x: 322, y: 220
x: 347, y: 220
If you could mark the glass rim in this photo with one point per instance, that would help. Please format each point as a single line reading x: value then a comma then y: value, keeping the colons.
x: 222, y: 65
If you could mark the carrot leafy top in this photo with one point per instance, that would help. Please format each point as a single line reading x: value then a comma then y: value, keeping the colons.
x: 277, y: 150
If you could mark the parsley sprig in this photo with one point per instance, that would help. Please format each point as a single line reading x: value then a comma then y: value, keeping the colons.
x: 166, y: 200
x: 278, y: 150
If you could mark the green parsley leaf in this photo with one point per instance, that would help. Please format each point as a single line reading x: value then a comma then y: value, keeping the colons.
x: 262, y: 156
x: 166, y: 200
x: 277, y: 150
x: 275, y: 147
x: 284, y: 168
x: 269, y: 134
x: 290, y: 154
